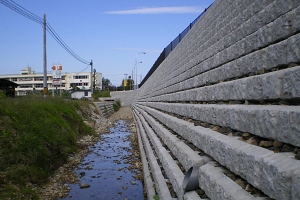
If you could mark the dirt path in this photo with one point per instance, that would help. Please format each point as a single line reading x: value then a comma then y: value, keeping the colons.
x: 57, y: 185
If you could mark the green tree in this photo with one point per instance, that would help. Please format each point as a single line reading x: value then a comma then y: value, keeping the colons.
x: 127, y: 84
x: 106, y: 83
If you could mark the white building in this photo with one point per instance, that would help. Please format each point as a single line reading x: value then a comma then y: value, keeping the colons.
x: 29, y: 81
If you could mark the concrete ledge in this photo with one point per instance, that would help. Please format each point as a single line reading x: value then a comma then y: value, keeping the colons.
x: 161, y: 186
x: 249, y: 63
x: 148, y: 182
x: 250, y: 162
x: 185, y: 155
x: 269, y: 121
x: 171, y: 168
x: 218, y: 186
x: 281, y: 84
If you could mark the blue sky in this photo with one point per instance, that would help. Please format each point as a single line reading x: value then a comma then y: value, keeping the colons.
x: 111, y: 33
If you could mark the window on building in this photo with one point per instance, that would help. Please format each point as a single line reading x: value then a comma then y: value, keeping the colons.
x: 25, y: 79
x: 39, y: 78
x: 26, y: 86
x: 14, y: 79
x: 81, y: 77
x: 82, y: 84
x: 86, y: 93
x: 39, y: 85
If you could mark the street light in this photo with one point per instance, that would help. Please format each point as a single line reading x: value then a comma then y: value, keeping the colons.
x: 136, y: 68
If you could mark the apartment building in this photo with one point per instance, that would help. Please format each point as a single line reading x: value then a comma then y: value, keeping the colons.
x: 29, y: 81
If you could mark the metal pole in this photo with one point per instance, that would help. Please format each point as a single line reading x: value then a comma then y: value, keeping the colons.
x: 137, y: 85
x: 45, y: 61
x: 91, y: 77
x: 132, y: 80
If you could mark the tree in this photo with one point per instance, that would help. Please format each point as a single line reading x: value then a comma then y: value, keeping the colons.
x: 127, y: 84
x: 106, y: 83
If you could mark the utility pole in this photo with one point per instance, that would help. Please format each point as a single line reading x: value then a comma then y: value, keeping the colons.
x: 132, y: 81
x: 94, y: 80
x: 45, y: 60
x: 91, y: 77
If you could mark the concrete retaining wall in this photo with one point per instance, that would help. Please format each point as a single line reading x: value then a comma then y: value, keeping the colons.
x: 126, y: 97
x: 227, y: 99
x: 106, y: 108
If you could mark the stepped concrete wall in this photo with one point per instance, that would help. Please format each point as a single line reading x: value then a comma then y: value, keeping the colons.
x: 227, y: 99
x: 106, y: 108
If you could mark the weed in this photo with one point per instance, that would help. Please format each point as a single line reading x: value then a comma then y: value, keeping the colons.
x: 117, y: 105
x: 36, y: 136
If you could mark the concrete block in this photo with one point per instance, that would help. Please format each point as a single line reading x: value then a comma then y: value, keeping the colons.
x: 161, y: 185
x: 191, y: 195
x: 291, y: 83
x: 239, y: 90
x: 282, y: 26
x: 295, y: 19
x: 276, y: 122
x: 293, y: 49
x: 214, y: 144
x: 272, y: 85
x: 296, y: 184
x: 260, y: 167
x: 254, y: 89
x: 277, y: 54
x: 277, y: 174
x: 250, y: 163
x: 289, y: 126
x: 218, y: 186
x: 265, y: 35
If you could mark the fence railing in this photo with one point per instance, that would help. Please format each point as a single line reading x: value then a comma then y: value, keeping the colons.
x: 164, y: 54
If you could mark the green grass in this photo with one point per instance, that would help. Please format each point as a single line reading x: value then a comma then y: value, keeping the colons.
x: 102, y: 93
x: 36, y: 136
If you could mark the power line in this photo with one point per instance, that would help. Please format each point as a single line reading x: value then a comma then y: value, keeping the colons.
x: 64, y: 45
x: 24, y: 12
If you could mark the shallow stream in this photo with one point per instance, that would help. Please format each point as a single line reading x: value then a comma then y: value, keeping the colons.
x: 106, y: 169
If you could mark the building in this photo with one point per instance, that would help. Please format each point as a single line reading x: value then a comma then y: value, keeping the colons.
x: 29, y: 81
x: 79, y: 94
x: 7, y: 87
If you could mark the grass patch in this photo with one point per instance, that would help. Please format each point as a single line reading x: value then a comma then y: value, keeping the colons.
x: 102, y: 93
x: 36, y: 136
x: 117, y: 105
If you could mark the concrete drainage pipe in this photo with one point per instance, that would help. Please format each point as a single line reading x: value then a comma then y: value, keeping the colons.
x: 190, y: 181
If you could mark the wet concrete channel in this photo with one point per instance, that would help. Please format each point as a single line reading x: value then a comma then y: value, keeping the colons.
x: 106, y: 169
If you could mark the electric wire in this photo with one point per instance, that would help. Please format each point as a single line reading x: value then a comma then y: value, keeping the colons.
x: 24, y: 12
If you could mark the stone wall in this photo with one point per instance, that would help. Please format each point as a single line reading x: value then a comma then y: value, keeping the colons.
x: 227, y: 99
x: 126, y: 97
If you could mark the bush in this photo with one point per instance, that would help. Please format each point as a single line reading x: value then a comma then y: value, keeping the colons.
x: 117, y: 105
x: 36, y: 136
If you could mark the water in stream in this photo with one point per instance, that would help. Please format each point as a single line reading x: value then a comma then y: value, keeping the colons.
x: 105, y: 169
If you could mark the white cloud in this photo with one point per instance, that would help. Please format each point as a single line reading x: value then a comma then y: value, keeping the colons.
x: 159, y: 10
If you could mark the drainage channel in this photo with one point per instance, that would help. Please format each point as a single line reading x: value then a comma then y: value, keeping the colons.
x: 105, y: 172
